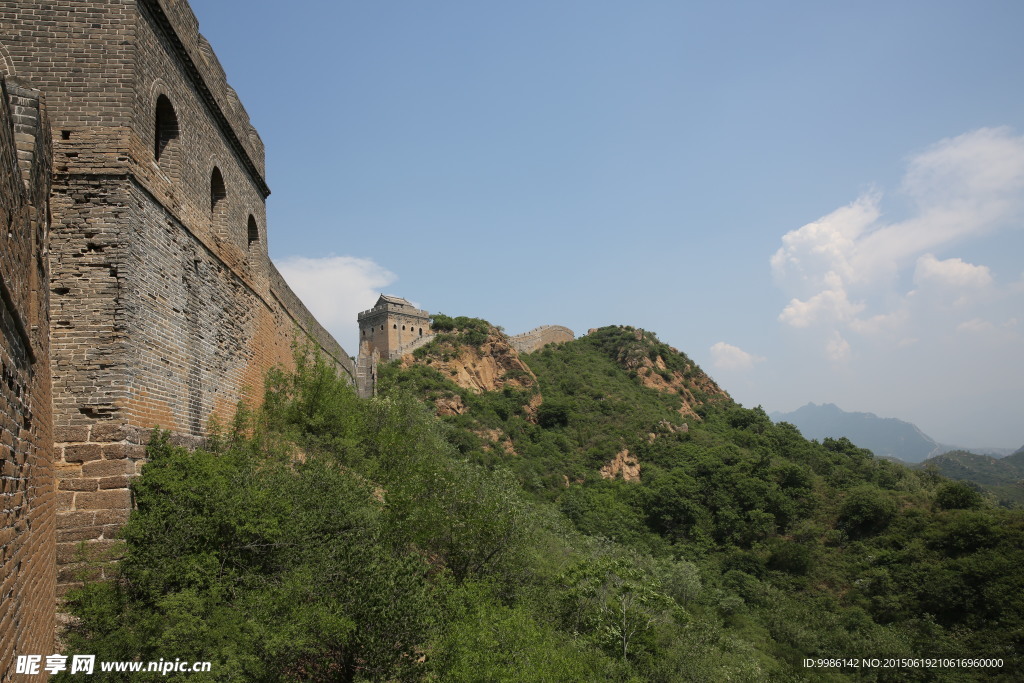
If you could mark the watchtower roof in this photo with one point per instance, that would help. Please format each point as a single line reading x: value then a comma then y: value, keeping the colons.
x: 397, y: 300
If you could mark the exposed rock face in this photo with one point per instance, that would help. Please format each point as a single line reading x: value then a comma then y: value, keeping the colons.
x: 491, y: 367
x: 497, y: 439
x: 624, y: 465
x: 652, y: 375
x: 450, y: 405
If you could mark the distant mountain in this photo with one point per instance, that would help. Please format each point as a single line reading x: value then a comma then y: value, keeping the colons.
x: 884, y: 436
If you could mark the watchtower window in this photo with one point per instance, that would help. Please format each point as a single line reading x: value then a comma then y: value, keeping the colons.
x: 218, y: 202
x: 254, y: 231
x: 166, y: 128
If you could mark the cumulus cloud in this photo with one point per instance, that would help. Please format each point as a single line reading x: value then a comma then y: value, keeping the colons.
x: 728, y: 357
x: 953, y: 272
x: 843, y: 270
x: 336, y: 289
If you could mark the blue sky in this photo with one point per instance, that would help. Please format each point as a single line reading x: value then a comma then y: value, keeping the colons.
x: 816, y: 201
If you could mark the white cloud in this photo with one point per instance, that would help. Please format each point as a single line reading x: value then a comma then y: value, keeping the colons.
x: 336, y: 289
x: 830, y: 304
x: 952, y: 272
x: 976, y: 325
x: 728, y: 357
x: 837, y: 348
x: 843, y: 270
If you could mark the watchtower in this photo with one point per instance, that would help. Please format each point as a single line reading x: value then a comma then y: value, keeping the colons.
x: 391, y: 327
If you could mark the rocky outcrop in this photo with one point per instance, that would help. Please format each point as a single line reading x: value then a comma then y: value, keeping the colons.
x: 622, y: 465
x: 491, y: 366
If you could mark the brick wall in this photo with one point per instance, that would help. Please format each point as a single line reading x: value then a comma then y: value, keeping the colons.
x: 538, y: 337
x: 27, y: 520
x: 165, y: 307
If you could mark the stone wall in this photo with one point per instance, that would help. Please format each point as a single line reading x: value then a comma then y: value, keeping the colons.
x: 537, y: 338
x: 27, y: 524
x: 165, y: 307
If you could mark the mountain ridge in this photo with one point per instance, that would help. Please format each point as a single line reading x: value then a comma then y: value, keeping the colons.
x: 884, y: 436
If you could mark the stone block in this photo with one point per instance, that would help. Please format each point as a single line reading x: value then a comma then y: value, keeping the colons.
x: 75, y: 518
x: 102, y: 433
x: 70, y: 434
x: 104, y: 500
x: 83, y: 452
x: 118, y: 482
x: 107, y: 468
x: 116, y: 451
x: 78, y: 484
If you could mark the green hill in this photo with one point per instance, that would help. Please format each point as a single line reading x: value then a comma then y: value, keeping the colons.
x: 1003, y: 477
x: 597, y: 510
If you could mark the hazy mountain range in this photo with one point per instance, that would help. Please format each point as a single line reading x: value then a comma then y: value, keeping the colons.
x: 884, y: 436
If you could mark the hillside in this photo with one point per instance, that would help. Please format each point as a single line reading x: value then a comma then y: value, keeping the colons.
x: 597, y: 510
x: 1003, y: 477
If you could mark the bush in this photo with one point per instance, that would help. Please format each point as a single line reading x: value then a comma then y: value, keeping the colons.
x: 957, y: 495
x: 866, y: 510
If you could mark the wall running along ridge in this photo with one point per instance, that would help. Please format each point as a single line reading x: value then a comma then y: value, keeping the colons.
x: 27, y: 527
x: 539, y: 337
x: 165, y: 308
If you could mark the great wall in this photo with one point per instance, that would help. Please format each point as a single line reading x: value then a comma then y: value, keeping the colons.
x: 136, y: 286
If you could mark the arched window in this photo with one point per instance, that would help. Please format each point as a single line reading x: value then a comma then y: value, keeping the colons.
x: 166, y: 134
x: 254, y: 231
x: 218, y: 202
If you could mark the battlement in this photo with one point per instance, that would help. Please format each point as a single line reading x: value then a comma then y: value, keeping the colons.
x: 196, y: 54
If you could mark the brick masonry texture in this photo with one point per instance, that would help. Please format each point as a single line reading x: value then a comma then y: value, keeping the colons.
x: 164, y: 307
x: 28, y: 521
x: 539, y: 337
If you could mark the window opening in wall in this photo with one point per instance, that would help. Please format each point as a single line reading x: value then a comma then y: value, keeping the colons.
x: 254, y: 231
x: 166, y: 127
x: 395, y: 326
x: 218, y: 202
